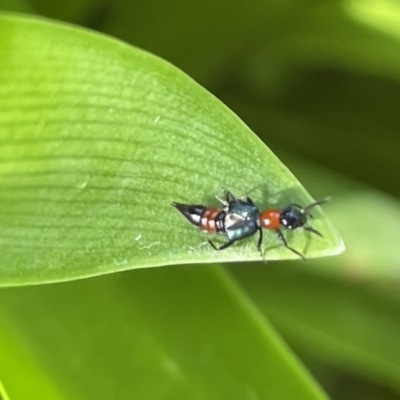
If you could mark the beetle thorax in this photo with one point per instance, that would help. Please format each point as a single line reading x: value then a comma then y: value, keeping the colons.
x: 269, y: 219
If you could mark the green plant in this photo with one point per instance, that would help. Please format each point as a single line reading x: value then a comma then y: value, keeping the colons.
x: 86, y: 184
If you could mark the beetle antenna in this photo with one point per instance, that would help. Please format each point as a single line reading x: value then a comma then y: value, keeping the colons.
x: 316, y: 203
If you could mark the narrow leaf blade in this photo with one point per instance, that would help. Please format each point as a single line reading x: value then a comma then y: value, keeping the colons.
x: 97, y: 138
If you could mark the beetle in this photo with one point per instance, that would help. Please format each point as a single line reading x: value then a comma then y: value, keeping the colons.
x: 240, y: 218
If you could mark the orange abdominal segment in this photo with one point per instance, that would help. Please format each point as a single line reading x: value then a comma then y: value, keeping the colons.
x: 269, y: 219
x: 207, y: 222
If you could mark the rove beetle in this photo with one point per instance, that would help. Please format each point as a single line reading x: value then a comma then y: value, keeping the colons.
x: 240, y: 218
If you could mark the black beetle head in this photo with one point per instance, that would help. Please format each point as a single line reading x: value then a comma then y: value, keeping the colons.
x: 294, y: 216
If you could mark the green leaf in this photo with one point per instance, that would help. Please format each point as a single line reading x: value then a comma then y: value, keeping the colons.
x: 342, y: 311
x: 167, y: 333
x: 370, y: 255
x: 349, y: 324
x: 325, y: 83
x: 231, y: 25
x: 16, y: 5
x: 17, y: 364
x: 97, y: 139
x: 3, y: 394
x: 360, y: 35
x: 170, y: 29
x: 81, y: 12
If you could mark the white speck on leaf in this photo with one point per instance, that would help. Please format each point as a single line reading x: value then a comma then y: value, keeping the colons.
x: 149, y: 246
x: 83, y: 184
x: 157, y: 119
x: 119, y: 263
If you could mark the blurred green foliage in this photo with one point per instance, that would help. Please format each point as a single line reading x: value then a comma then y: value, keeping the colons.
x: 319, y: 83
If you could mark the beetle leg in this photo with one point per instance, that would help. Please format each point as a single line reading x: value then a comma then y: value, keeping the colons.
x: 223, y: 246
x: 284, y: 242
x: 310, y: 229
x: 260, y: 239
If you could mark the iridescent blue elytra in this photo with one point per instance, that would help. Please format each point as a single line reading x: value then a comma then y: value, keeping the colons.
x: 241, y: 218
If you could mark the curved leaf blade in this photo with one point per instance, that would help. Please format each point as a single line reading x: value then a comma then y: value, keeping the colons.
x: 97, y: 138
x: 148, y: 335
